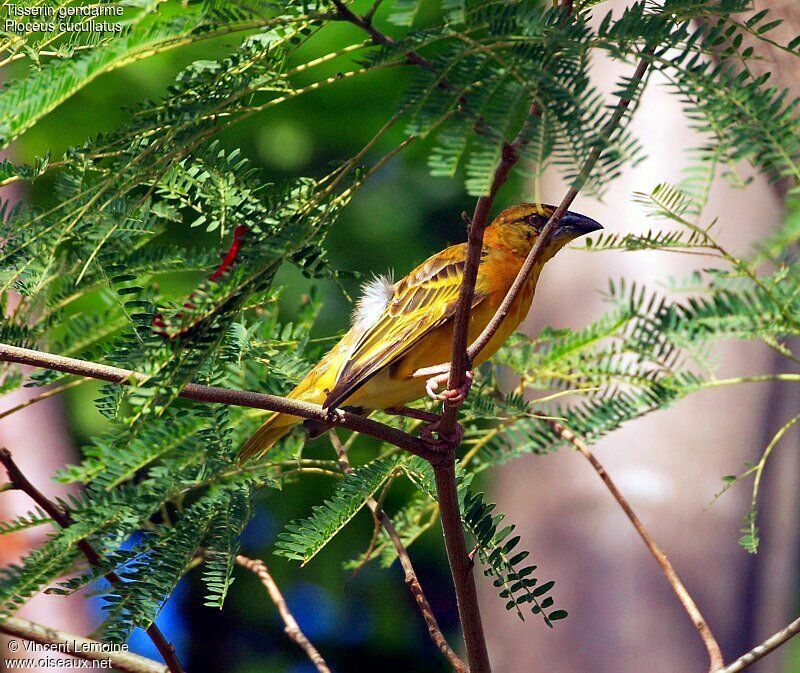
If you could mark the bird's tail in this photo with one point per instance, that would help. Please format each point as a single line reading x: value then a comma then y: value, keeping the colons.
x: 275, y: 427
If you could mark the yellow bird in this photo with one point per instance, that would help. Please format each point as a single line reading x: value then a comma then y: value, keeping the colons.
x: 400, y: 329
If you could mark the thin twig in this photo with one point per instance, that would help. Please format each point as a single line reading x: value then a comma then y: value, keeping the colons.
x: 712, y: 647
x: 410, y: 412
x: 50, y: 392
x: 291, y: 628
x: 203, y: 393
x: 371, y: 12
x: 759, y: 651
x: 381, y: 39
x: 410, y: 575
x: 64, y: 520
x: 78, y: 646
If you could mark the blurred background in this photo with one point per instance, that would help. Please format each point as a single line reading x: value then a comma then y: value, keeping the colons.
x: 623, y: 616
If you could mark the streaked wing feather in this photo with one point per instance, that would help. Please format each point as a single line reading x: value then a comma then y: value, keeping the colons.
x: 423, y: 300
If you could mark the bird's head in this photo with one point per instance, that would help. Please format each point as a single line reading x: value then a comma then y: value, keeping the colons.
x: 518, y: 227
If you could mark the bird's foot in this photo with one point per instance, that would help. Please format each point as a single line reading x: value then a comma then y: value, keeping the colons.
x: 315, y: 428
x: 450, y: 397
x: 441, y: 442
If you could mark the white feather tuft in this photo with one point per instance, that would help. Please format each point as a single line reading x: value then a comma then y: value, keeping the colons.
x: 375, y: 297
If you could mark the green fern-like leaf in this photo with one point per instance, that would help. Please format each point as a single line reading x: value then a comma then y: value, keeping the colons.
x: 305, y: 538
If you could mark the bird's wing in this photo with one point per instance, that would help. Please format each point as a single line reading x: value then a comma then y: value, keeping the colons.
x: 422, y: 301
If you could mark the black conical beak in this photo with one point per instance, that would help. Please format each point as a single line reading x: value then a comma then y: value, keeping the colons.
x: 573, y: 225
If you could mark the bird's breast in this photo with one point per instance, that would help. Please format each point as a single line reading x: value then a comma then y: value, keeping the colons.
x: 516, y: 314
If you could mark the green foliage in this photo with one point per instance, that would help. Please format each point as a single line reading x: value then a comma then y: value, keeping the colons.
x: 95, y: 264
x: 150, y: 577
x: 303, y: 540
x: 30, y: 520
x: 412, y: 520
x: 497, y: 549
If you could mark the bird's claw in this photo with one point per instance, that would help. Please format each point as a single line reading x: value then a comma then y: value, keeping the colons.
x: 333, y: 416
x: 449, y: 397
x: 440, y: 442
x: 432, y: 385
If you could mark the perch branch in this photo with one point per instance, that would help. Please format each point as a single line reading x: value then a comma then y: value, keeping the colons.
x: 461, y: 359
x: 63, y: 519
x: 463, y: 356
x: 202, y: 393
x: 410, y: 575
x: 712, y: 647
x: 291, y: 628
x: 759, y: 651
x: 461, y: 565
x: 78, y: 646
x: 443, y: 462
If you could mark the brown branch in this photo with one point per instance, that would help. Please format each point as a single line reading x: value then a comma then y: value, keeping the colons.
x: 78, y: 646
x: 64, y: 520
x: 460, y: 359
x: 416, y: 414
x: 242, y: 398
x: 371, y: 13
x: 410, y: 575
x: 762, y: 650
x: 444, y: 469
x: 461, y: 565
x: 443, y: 462
x: 712, y: 647
x: 291, y: 628
x: 463, y: 356
x: 381, y: 39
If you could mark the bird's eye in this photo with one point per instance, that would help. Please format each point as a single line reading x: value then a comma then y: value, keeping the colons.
x: 534, y: 220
